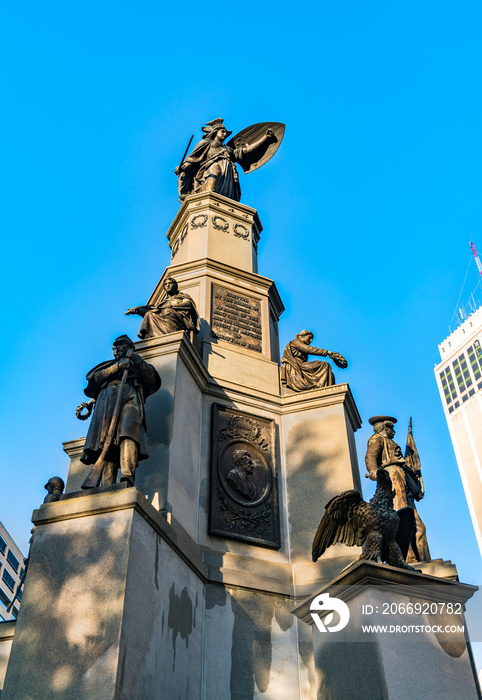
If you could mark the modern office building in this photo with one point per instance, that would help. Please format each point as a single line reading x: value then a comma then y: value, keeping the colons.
x: 11, y: 571
x: 459, y: 379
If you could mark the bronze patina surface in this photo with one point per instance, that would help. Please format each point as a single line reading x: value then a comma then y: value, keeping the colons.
x: 405, y: 474
x: 236, y: 318
x: 55, y: 487
x: 117, y: 433
x: 176, y: 313
x: 349, y: 519
x: 298, y: 374
x: 244, y: 487
x: 211, y: 166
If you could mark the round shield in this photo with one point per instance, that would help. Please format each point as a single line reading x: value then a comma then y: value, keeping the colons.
x: 262, y: 153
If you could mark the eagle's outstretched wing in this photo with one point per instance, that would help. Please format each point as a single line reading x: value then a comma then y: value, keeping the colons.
x: 340, y: 523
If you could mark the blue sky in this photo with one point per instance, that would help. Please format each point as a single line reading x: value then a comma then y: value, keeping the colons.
x: 368, y: 206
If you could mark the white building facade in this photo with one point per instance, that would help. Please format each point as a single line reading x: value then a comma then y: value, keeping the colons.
x: 11, y: 571
x: 459, y: 379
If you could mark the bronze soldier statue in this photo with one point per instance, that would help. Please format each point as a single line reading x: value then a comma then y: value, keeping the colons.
x: 117, y: 433
x: 383, y: 451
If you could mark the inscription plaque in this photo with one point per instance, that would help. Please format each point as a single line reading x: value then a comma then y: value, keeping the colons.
x: 236, y: 318
x: 244, y: 489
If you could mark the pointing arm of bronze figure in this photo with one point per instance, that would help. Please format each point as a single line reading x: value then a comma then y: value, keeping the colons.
x: 268, y: 136
x: 139, y: 310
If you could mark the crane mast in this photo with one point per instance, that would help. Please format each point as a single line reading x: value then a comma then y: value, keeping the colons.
x: 477, y: 259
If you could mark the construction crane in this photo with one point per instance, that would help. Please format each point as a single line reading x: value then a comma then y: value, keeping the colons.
x: 477, y: 259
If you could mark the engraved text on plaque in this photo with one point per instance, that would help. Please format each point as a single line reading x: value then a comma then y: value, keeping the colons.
x: 236, y: 318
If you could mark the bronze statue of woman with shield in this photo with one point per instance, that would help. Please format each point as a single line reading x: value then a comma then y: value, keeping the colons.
x: 211, y: 166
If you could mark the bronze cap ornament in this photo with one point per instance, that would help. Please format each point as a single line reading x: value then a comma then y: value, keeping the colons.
x: 381, y: 419
x: 124, y: 339
x: 215, y: 125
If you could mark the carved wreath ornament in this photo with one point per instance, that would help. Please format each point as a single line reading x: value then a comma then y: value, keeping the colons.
x: 199, y: 221
x: 241, y: 231
x: 245, y: 428
x: 183, y: 233
x: 220, y: 224
x: 243, y: 518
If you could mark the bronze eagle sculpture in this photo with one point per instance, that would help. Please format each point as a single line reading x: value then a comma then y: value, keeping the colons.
x: 349, y: 519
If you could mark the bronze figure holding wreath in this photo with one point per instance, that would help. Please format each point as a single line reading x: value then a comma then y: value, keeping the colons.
x: 300, y: 375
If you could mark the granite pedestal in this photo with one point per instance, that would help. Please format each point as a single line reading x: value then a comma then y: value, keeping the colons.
x: 405, y: 637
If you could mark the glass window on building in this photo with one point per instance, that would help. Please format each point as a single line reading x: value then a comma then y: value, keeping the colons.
x: 478, y: 352
x: 3, y: 545
x: 450, y: 380
x: 473, y: 362
x: 4, y: 599
x: 19, y: 595
x: 9, y: 580
x: 445, y: 387
x: 465, y: 370
x: 13, y: 561
x: 458, y: 376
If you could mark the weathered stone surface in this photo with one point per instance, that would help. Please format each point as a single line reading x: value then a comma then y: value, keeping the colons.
x: 7, y: 630
x: 385, y: 665
x: 104, y: 613
x: 251, y: 646
x: 320, y: 461
x: 250, y: 355
x: 209, y: 225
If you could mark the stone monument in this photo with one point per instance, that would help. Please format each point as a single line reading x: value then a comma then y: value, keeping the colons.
x: 183, y: 585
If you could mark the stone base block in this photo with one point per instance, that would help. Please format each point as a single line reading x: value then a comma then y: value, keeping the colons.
x: 415, y: 646
x: 111, y: 610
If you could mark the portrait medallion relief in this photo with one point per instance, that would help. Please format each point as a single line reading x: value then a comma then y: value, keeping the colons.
x: 244, y: 492
x: 244, y: 473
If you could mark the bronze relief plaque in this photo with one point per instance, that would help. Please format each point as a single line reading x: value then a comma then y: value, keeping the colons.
x: 244, y: 488
x: 236, y: 318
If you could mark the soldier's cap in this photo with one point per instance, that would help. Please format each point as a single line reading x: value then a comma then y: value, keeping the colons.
x: 381, y: 419
x: 55, y: 479
x: 124, y: 339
